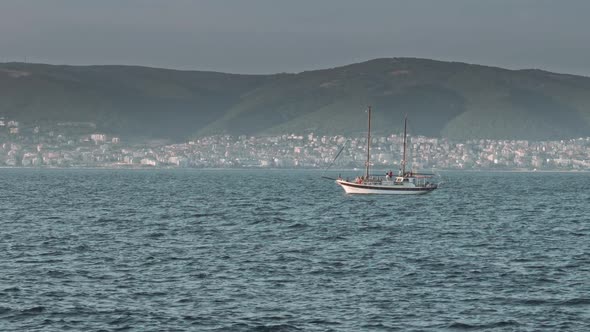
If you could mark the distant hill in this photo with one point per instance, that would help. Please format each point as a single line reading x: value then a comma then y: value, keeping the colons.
x: 450, y: 99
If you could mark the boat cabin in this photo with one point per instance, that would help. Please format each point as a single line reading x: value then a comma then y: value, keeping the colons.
x: 401, y: 180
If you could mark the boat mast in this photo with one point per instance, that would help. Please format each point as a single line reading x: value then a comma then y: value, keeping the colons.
x: 405, y: 142
x: 368, y: 145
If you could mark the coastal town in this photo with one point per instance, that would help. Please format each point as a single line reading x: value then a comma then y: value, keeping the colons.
x: 79, y: 144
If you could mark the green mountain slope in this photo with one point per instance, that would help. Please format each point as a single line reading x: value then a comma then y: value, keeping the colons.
x: 455, y: 100
x: 130, y: 101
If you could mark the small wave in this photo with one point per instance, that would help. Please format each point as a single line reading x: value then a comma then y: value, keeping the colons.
x: 298, y: 250
x: 233, y: 327
x: 11, y: 289
x: 273, y: 199
x: 82, y: 247
x: 5, y: 310
x: 156, y: 235
x: 334, y: 238
x: 535, y: 302
x: 276, y: 328
x: 201, y: 215
x: 298, y: 225
x: 46, y: 261
x: 378, y: 230
x: 121, y: 320
x: 323, y: 322
x: 33, y: 310
x: 57, y: 273
x: 546, y: 280
x: 105, y: 220
x: 55, y: 294
x: 466, y: 326
x: 149, y: 294
x: 504, y: 323
x: 576, y: 301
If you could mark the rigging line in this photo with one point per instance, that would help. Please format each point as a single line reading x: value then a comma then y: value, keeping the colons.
x: 337, y: 155
x: 334, y: 160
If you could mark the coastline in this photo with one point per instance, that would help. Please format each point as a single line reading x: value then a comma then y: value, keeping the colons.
x: 274, y: 169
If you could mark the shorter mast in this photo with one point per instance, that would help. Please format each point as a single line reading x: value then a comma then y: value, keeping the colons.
x: 368, y: 146
x: 405, y: 141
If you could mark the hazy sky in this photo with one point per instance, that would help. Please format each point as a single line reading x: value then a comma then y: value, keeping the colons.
x: 269, y: 36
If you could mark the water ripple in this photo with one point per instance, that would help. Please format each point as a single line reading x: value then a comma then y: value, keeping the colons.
x: 150, y: 250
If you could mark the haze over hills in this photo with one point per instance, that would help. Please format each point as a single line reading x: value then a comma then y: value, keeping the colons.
x: 449, y: 99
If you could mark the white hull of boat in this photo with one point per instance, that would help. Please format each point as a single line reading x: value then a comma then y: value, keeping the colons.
x: 359, y: 188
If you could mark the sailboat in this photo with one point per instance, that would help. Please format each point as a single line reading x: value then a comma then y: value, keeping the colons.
x: 405, y: 183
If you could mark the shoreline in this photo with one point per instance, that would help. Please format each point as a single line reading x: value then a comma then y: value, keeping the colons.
x: 272, y: 169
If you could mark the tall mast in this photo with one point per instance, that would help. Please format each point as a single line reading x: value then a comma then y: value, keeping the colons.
x: 368, y: 145
x: 405, y: 142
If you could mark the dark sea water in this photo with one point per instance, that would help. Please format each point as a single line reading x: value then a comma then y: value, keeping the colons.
x: 153, y: 250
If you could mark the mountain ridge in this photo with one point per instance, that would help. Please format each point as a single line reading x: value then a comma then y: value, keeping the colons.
x: 442, y: 99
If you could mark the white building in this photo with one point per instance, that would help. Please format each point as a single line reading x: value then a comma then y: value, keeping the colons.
x: 98, y: 138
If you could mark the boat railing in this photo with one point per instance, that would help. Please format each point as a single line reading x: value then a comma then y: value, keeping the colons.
x: 418, y: 181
